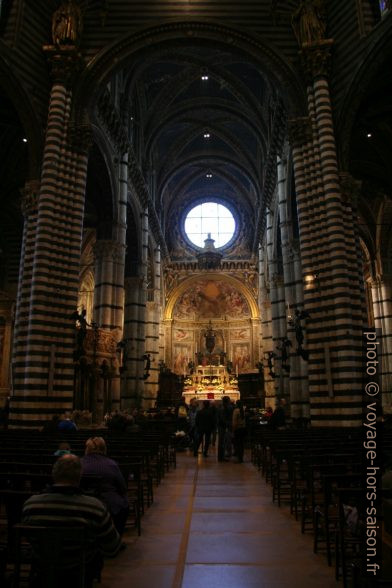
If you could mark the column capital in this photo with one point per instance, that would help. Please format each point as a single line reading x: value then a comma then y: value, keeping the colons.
x: 299, y: 130
x: 65, y: 62
x: 315, y: 58
x: 30, y: 194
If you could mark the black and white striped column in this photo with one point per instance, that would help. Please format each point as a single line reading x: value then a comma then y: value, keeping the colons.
x: 266, y: 343
x: 153, y: 310
x: 30, y: 194
x: 132, y: 376
x: 332, y: 291
x: 297, y: 380
x: 44, y: 371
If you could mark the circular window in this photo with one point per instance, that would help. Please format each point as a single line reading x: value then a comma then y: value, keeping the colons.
x: 209, y: 218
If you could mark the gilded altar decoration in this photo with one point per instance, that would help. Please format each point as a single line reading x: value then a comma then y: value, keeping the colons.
x: 67, y: 24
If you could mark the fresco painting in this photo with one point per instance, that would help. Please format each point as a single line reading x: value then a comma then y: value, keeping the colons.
x: 182, y: 355
x: 241, y: 357
x: 211, y: 299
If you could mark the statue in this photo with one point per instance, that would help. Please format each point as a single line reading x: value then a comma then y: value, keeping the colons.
x: 210, y: 338
x: 122, y: 350
x: 270, y: 356
x: 81, y: 334
x: 299, y: 333
x: 67, y: 24
x: 284, y: 350
x: 308, y: 22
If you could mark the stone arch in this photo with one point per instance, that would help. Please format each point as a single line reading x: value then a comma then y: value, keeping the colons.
x: 188, y: 283
x: 377, y: 56
x: 264, y: 55
x: 100, y: 192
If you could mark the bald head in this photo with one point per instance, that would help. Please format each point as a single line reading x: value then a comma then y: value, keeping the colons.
x: 67, y: 470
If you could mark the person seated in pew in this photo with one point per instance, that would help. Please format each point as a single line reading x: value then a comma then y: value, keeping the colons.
x: 64, y: 448
x: 66, y: 424
x: 113, y: 489
x: 66, y: 505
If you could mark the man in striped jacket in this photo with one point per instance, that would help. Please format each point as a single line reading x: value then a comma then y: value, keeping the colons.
x: 66, y: 505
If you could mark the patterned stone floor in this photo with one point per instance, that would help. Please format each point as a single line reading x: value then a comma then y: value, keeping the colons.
x: 213, y: 525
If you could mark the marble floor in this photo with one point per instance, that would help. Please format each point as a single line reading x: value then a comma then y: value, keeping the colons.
x: 213, y: 525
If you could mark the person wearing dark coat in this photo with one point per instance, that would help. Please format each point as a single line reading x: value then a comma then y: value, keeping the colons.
x: 224, y: 417
x: 278, y: 418
x: 113, y: 489
x: 205, y: 423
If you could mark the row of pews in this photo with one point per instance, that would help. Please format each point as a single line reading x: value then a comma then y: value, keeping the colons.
x: 321, y: 475
x: 27, y: 458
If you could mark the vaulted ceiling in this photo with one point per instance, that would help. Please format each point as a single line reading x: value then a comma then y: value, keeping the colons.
x: 202, y: 118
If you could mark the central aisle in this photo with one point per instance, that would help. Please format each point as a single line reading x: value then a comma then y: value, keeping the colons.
x: 213, y: 525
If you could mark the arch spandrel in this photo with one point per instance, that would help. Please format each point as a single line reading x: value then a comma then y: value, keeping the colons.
x: 218, y: 295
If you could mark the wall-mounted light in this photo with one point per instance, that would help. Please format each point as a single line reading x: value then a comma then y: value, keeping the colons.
x: 24, y: 140
x: 368, y: 135
x: 209, y: 175
x: 206, y: 135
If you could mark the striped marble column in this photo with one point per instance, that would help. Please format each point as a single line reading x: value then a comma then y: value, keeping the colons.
x: 119, y: 231
x: 119, y: 236
x: 44, y: 374
x: 30, y: 194
x: 104, y: 253
x: 292, y: 282
x: 153, y: 331
x: 132, y: 376
x: 331, y: 287
x: 266, y: 329
x: 152, y: 342
x: 143, y: 270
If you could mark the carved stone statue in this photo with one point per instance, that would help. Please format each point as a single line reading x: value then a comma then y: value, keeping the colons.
x: 308, y: 21
x: 67, y: 24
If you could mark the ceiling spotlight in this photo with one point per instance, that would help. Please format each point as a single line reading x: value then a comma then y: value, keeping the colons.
x: 24, y: 140
x: 206, y: 135
x: 368, y: 135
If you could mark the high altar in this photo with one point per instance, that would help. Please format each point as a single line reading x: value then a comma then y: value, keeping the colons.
x: 210, y: 382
